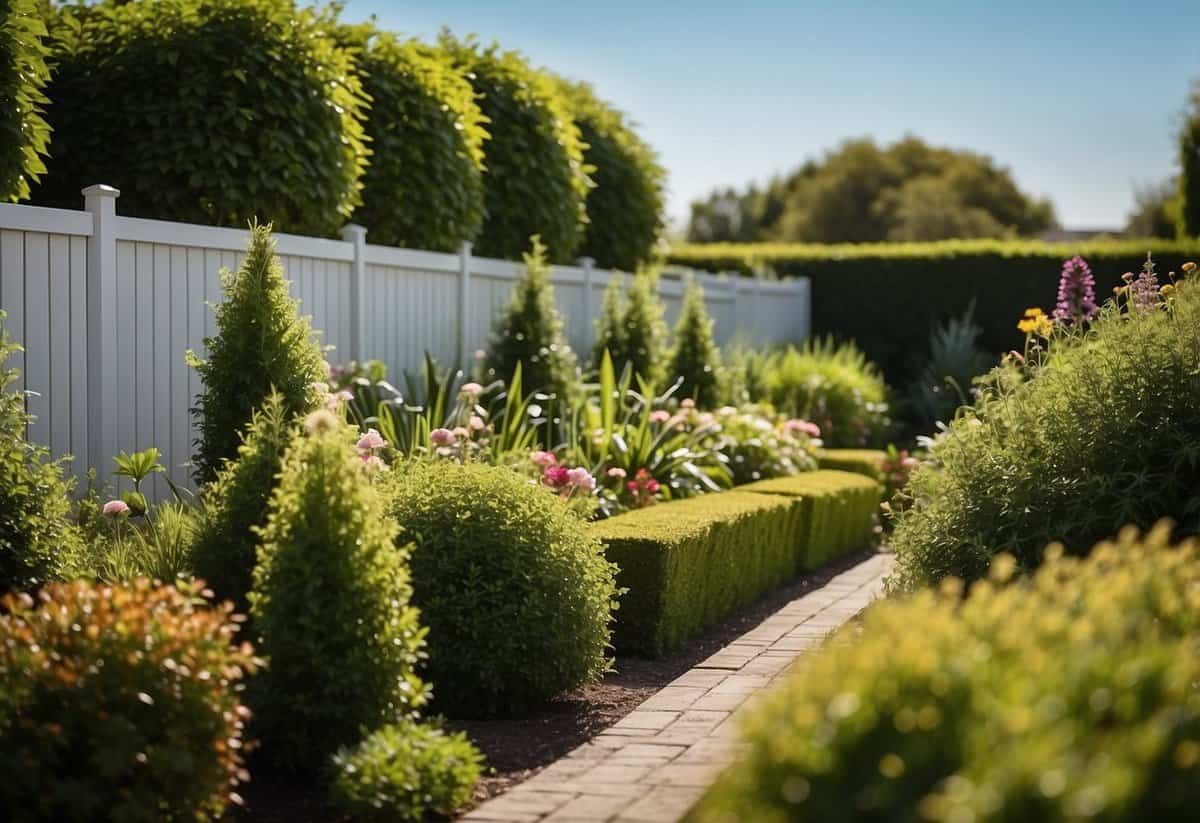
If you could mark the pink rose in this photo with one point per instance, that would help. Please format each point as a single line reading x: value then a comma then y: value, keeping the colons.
x: 544, y: 459
x: 441, y: 437
x: 115, y: 508
x: 556, y: 476
x: 616, y: 471
x: 477, y: 423
x: 581, y: 478
x: 803, y: 426
x: 461, y: 432
x: 471, y: 389
x: 659, y: 416
x: 652, y: 486
x: 370, y: 441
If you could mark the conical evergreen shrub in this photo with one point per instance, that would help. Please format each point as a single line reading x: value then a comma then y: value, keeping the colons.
x: 695, y: 357
x: 644, y: 332
x: 531, y: 333
x: 262, y: 344
x: 610, y: 329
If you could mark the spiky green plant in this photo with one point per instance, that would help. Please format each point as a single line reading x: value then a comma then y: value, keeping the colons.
x: 695, y: 358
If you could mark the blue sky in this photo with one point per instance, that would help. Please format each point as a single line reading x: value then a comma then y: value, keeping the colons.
x: 1079, y: 99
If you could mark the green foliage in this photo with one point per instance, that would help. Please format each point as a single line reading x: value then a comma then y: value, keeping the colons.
x: 262, y: 345
x: 945, y: 380
x: 536, y: 179
x: 610, y: 328
x: 625, y: 207
x: 743, y: 374
x: 1068, y: 696
x: 424, y: 186
x: 405, y: 771
x: 1155, y: 211
x: 531, y: 333
x: 206, y: 111
x: 886, y: 297
x: 834, y: 386
x: 1189, y: 163
x: 861, y: 193
x: 119, y: 703
x: 37, y: 541
x: 330, y: 606
x: 235, y: 504
x: 695, y: 357
x: 517, y: 596
x: 24, y: 134
x: 1106, y: 432
x: 637, y: 341
x: 866, y: 462
x: 157, y: 545
x: 758, y: 444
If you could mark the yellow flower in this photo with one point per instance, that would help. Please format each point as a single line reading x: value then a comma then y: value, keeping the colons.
x: 1167, y: 291
x: 1189, y: 267
x: 1035, y: 321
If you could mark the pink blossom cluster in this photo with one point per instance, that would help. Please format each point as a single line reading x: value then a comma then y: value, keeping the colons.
x: 369, y: 446
x: 797, y: 426
x: 560, y: 478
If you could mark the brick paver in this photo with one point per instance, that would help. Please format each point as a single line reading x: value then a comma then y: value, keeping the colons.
x: 653, y: 764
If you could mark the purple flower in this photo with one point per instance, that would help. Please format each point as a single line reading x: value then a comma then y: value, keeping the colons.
x: 1076, y: 293
x: 1144, y: 290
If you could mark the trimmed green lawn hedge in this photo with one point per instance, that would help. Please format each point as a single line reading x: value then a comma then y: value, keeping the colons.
x: 689, y: 563
x: 859, y: 461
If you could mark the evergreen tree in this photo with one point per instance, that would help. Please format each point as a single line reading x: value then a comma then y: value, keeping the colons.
x: 262, y: 344
x: 531, y: 332
x: 695, y: 357
x: 610, y: 331
x: 644, y: 332
x: 1189, y: 161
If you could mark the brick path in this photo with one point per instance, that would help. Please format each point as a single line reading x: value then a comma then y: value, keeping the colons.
x: 656, y: 762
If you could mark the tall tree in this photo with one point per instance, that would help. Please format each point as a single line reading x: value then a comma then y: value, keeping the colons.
x: 1189, y: 163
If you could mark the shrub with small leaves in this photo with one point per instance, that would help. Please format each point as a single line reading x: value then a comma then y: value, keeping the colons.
x: 610, y: 329
x: 330, y: 606
x: 24, y: 133
x: 695, y: 357
x: 405, y: 771
x: 517, y: 596
x: 262, y: 344
x: 120, y: 703
x: 641, y: 341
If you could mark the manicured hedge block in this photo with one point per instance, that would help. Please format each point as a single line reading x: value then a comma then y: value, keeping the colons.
x: 839, y: 509
x: 688, y: 563
x: 859, y: 461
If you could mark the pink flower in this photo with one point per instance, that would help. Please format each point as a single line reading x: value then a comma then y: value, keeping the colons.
x: 335, y: 400
x: 441, y: 437
x: 687, y: 403
x: 477, y: 423
x: 556, y: 476
x: 803, y: 426
x: 660, y: 416
x: 461, y: 433
x: 616, y: 471
x: 370, y: 441
x: 116, y: 508
x: 581, y: 478
x: 544, y: 459
x: 471, y: 389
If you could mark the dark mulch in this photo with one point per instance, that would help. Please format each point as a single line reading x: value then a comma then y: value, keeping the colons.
x: 517, y: 749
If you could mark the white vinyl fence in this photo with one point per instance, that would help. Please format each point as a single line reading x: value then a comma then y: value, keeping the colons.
x: 105, y: 307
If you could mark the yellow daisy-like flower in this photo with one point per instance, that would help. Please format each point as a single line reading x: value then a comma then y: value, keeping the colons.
x: 1189, y: 267
x: 1035, y: 321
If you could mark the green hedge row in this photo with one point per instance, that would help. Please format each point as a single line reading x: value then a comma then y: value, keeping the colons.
x: 888, y: 296
x: 866, y: 462
x: 689, y: 563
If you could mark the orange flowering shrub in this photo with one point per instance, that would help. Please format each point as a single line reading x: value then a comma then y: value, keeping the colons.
x: 120, y: 703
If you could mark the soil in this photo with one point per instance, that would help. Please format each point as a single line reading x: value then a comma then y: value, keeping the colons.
x: 518, y: 749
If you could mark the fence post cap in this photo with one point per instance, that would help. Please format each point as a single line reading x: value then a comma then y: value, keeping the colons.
x: 101, y: 190
x: 466, y: 247
x: 353, y: 230
x: 585, y: 262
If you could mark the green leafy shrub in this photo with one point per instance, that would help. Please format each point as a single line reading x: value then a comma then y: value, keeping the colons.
x: 695, y: 357
x: 536, y: 180
x: 1189, y: 162
x: 119, y: 703
x: 158, y: 546
x: 625, y: 207
x: 37, y: 540
x: 516, y: 594
x: 610, y: 329
x: 262, y: 345
x: 531, y: 333
x: 330, y: 605
x: 836, y: 387
x: 404, y: 771
x: 206, y: 111
x: 632, y: 328
x: 24, y: 134
x: 235, y: 505
x: 424, y: 186
x: 946, y: 376
x: 743, y: 374
x: 1106, y: 432
x: 758, y: 444
x: 1067, y: 696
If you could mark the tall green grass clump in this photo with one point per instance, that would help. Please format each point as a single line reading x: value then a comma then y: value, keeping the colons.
x: 1106, y: 432
x: 695, y: 357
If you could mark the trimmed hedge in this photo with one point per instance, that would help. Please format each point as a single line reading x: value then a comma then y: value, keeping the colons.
x: 687, y: 564
x: 866, y: 462
x: 888, y: 296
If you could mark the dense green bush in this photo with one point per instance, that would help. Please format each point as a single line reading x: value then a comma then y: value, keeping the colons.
x: 531, y: 333
x: 225, y: 548
x: 609, y: 331
x: 836, y: 387
x: 1069, y: 696
x: 1106, y: 433
x: 330, y: 606
x: 262, y: 345
x: 631, y: 326
x: 516, y: 594
x: 1189, y: 162
x: 424, y: 186
x: 886, y: 297
x: 759, y: 444
x: 695, y: 357
x: 24, y: 133
x: 625, y: 208
x: 405, y: 771
x: 119, y: 704
x: 36, y: 538
x: 866, y: 462
x: 206, y: 111
x: 536, y: 180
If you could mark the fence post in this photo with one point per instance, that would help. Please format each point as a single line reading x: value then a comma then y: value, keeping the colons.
x: 464, y: 304
x: 356, y: 235
x: 101, y: 201
x: 589, y: 328
x: 758, y: 307
x: 732, y: 277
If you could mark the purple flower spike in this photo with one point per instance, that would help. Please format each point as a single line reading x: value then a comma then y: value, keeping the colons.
x: 1076, y: 293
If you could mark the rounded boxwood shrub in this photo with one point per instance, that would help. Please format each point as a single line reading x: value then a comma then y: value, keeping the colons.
x: 625, y: 207
x: 536, y: 181
x: 119, y: 703
x: 405, y: 771
x: 695, y: 357
x: 424, y: 186
x: 1067, y: 696
x: 206, y: 111
x: 262, y: 345
x: 330, y: 606
x: 24, y: 133
x: 1106, y: 432
x: 516, y: 594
